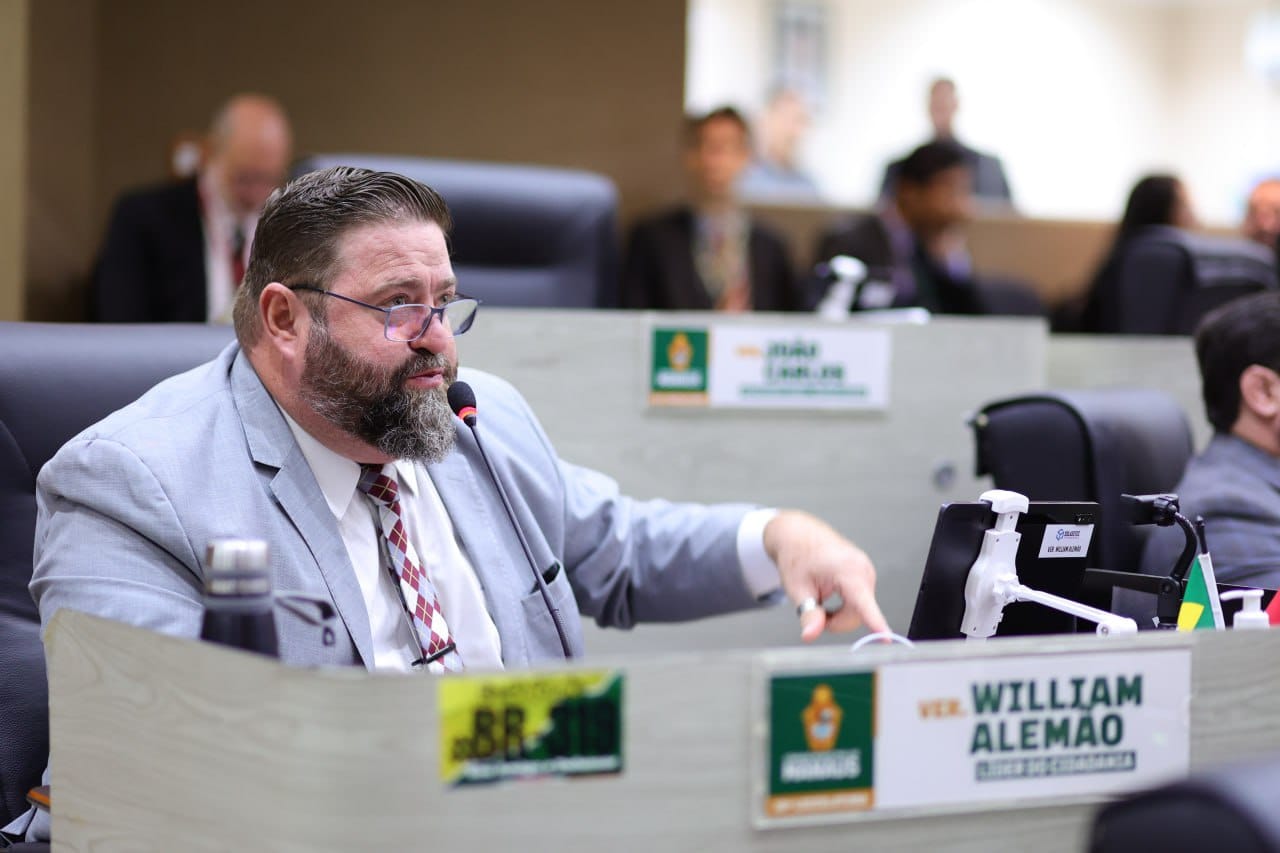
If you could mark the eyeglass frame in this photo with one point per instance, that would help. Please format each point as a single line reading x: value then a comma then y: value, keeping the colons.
x: 432, y: 311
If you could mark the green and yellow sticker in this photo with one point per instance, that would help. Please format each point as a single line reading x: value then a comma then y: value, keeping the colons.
x: 519, y: 726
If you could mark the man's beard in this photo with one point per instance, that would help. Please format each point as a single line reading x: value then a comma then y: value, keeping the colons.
x: 373, y: 405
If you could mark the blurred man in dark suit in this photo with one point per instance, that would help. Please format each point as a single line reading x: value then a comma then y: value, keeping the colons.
x: 990, y: 186
x: 177, y: 252
x: 915, y: 241
x: 709, y: 254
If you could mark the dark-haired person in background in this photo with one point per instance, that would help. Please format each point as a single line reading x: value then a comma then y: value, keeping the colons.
x: 1235, y: 481
x: 708, y: 254
x: 990, y: 186
x: 1154, y: 200
x: 916, y: 241
x: 177, y: 252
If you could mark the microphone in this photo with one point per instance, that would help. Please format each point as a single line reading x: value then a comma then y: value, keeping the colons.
x: 463, y: 402
x: 850, y: 285
x: 842, y: 277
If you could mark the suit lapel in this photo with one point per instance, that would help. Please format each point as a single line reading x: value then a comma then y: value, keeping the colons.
x: 484, y: 534
x: 271, y: 444
x: 188, y: 239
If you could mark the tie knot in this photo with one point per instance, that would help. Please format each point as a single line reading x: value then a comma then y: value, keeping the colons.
x: 378, y: 485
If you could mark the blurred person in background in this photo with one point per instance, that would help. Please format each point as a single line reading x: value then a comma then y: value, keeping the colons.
x: 990, y: 186
x: 708, y: 254
x: 1155, y: 200
x: 775, y: 174
x: 1262, y: 215
x: 916, y: 239
x: 177, y: 252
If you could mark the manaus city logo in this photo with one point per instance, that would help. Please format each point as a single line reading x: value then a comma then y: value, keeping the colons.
x: 680, y: 352
x: 822, y: 719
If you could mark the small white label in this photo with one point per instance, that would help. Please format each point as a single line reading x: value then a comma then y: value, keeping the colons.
x: 1066, y: 540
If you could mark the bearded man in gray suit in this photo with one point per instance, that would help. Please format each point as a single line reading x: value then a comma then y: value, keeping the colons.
x: 345, y: 328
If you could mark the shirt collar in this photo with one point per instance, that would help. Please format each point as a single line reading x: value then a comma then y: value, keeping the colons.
x: 337, y: 475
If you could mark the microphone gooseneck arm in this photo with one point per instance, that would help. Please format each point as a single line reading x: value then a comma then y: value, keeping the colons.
x: 462, y: 401
x: 524, y: 544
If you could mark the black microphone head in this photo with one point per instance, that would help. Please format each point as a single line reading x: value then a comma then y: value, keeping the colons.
x: 463, y: 402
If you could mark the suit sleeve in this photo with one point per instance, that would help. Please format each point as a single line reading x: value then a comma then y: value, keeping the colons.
x: 119, y: 293
x: 109, y: 542
x: 628, y: 560
x: 649, y: 561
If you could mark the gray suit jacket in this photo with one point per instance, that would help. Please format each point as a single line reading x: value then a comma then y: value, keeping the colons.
x: 1236, y: 487
x: 127, y: 508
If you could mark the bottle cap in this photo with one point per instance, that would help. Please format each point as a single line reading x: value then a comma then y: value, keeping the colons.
x: 236, y: 567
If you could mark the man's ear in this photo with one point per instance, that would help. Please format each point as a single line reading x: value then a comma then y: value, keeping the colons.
x: 1260, y: 391
x: 284, y: 318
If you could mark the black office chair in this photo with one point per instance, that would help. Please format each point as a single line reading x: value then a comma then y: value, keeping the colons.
x: 1234, y: 808
x: 1091, y: 445
x: 524, y: 236
x: 55, y: 380
x: 1170, y: 278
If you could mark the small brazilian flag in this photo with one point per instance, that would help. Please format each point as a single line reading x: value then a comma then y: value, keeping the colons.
x: 1200, y: 605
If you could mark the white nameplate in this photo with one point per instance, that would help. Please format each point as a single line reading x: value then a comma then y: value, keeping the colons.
x: 770, y: 367
x: 1066, y: 540
x: 1048, y: 726
x: 970, y: 734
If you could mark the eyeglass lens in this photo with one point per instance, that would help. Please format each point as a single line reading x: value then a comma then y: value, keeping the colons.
x: 409, y: 322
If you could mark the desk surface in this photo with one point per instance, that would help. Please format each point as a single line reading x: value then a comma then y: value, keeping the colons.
x: 150, y: 741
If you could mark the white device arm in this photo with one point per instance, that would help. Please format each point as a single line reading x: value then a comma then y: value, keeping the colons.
x: 1108, y: 623
x: 993, y: 578
x: 994, y: 574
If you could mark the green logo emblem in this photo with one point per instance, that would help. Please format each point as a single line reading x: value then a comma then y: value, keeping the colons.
x: 678, y: 370
x: 820, y: 744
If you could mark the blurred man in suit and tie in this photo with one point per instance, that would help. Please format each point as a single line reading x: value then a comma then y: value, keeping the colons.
x: 708, y: 254
x: 177, y: 252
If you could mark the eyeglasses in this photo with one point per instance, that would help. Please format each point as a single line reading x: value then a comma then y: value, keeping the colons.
x: 407, y: 323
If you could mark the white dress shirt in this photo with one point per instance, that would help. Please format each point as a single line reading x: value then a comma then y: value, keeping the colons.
x: 426, y: 521
x: 458, y: 588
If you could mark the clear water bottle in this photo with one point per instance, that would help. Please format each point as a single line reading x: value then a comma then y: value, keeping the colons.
x: 237, y: 597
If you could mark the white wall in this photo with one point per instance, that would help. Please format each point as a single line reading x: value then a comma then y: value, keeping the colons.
x: 1079, y: 97
x: 1225, y: 128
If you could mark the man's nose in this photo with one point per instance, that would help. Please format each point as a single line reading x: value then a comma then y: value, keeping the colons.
x: 436, y: 338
